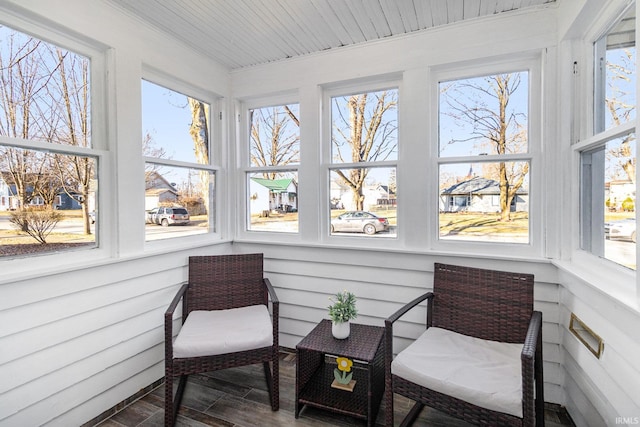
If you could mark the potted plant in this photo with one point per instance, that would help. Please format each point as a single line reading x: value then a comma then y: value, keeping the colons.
x: 341, y: 312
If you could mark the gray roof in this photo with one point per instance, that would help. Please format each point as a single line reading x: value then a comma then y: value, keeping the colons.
x: 477, y: 185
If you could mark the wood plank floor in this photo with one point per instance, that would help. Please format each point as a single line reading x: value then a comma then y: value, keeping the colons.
x: 239, y: 398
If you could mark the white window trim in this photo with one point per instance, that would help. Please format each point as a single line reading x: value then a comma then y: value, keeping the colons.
x: 245, y: 168
x: 14, y: 267
x: 216, y: 113
x: 533, y: 64
x: 373, y: 84
x: 605, y: 275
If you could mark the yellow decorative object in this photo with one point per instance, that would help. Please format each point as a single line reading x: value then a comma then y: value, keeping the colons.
x: 343, y: 375
x: 344, y: 364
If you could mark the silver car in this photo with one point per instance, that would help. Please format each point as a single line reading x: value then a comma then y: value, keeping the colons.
x: 621, y: 229
x: 359, y: 222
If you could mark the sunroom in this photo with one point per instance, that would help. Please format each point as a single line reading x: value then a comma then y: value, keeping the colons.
x: 114, y: 103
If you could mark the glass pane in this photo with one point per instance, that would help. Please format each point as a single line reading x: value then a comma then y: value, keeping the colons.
x: 616, y: 66
x: 275, y: 135
x: 486, y: 202
x: 364, y: 201
x: 177, y: 201
x: 47, y: 202
x: 273, y: 201
x: 365, y: 127
x: 484, y: 115
x: 46, y: 92
x: 175, y: 126
x: 608, y: 201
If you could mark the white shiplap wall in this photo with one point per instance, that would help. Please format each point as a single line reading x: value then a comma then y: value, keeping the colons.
x: 73, y: 345
x: 305, y: 278
x: 604, y: 389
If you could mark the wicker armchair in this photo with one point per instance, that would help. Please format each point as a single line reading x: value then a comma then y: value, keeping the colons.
x: 480, y: 358
x: 225, y: 324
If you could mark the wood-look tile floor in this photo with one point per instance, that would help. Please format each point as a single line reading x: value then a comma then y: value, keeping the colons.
x: 238, y: 397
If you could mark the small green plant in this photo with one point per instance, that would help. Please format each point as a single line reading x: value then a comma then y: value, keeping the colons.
x: 343, y: 308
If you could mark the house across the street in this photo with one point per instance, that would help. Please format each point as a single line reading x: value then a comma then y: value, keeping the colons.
x: 479, y: 194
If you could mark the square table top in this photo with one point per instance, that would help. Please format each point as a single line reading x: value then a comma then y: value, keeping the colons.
x: 362, y: 343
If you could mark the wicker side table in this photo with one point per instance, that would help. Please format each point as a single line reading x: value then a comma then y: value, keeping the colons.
x: 316, y: 355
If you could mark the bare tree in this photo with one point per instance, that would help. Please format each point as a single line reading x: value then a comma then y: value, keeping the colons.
x: 76, y: 173
x: 484, y: 105
x: 199, y: 131
x: 620, y: 81
x: 21, y: 81
x: 275, y: 138
x: 150, y: 149
x: 45, y: 96
x: 363, y: 130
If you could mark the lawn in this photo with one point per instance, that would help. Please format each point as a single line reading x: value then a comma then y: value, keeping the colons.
x: 479, y: 224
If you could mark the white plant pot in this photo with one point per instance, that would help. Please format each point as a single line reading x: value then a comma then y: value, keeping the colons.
x: 340, y: 330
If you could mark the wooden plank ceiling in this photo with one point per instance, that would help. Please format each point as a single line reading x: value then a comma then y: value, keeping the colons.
x: 242, y: 33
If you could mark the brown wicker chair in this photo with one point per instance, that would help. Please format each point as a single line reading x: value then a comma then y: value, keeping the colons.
x: 486, y: 304
x: 223, y: 290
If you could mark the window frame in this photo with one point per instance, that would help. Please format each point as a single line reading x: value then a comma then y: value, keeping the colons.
x: 532, y: 63
x: 330, y: 91
x: 606, y: 275
x: 245, y: 169
x: 214, y: 167
x: 97, y: 55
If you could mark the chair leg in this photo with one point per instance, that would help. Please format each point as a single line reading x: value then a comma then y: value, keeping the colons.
x: 273, y: 384
x: 412, y: 415
x: 539, y: 381
x: 388, y: 407
x: 275, y: 398
x: 169, y: 420
x: 171, y: 402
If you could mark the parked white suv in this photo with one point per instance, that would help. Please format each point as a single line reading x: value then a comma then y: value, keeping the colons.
x: 170, y: 216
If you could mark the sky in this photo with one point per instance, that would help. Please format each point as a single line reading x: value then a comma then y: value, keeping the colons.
x: 167, y: 117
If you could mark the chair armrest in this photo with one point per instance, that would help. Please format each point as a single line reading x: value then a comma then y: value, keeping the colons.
x: 388, y: 331
x: 395, y: 316
x: 532, y: 376
x: 272, y: 292
x: 174, y: 303
x: 531, y: 340
x: 275, y: 311
x: 168, y: 322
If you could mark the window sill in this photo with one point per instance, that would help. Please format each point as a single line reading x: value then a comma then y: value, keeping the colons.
x: 607, y: 279
x: 22, y: 269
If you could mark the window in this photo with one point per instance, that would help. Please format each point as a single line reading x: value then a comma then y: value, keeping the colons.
x: 272, y: 181
x: 176, y: 145
x: 608, y: 159
x: 364, y: 154
x: 615, y: 75
x: 484, y: 158
x: 48, y: 165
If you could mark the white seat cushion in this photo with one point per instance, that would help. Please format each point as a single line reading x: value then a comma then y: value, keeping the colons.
x: 208, y: 333
x: 483, y: 373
